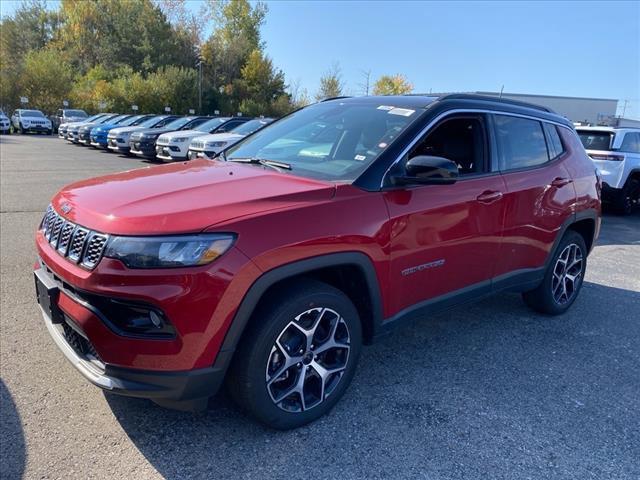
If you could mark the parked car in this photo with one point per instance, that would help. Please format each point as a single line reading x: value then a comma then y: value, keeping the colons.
x: 118, y: 138
x: 5, y: 123
x: 99, y: 134
x: 25, y: 121
x: 84, y: 132
x: 319, y: 233
x: 175, y: 145
x: 63, y: 127
x: 73, y: 130
x: 209, y: 146
x: 616, y: 153
x: 67, y: 115
x: 143, y: 142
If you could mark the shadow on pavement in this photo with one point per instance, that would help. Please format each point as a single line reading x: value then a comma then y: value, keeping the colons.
x: 619, y: 229
x: 491, y: 380
x: 12, y: 445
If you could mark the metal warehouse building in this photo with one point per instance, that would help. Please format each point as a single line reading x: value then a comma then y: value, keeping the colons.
x: 576, y: 109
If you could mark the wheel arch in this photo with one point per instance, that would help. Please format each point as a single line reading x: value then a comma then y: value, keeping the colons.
x: 584, y: 222
x: 351, y: 272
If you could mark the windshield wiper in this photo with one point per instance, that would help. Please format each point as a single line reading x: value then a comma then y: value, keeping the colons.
x: 264, y: 162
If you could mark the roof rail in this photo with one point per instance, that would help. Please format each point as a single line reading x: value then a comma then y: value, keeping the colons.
x: 335, y: 98
x: 472, y: 96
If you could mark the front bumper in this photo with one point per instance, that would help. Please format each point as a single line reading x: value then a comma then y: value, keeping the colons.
x: 169, y: 152
x: 37, y: 128
x: 84, y: 138
x: 98, y: 142
x: 143, y: 149
x: 113, y: 144
x: 170, y: 388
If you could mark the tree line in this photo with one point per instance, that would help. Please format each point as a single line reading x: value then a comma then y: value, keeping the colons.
x: 107, y: 55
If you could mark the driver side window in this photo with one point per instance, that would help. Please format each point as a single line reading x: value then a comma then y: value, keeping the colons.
x: 461, y: 139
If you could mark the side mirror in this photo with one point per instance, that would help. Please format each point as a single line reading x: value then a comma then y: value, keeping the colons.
x: 428, y: 170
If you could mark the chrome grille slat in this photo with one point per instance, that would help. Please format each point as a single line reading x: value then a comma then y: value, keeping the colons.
x: 80, y: 245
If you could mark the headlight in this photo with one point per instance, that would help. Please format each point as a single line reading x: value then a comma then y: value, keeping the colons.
x: 169, y: 251
x: 179, y: 139
x: 216, y: 144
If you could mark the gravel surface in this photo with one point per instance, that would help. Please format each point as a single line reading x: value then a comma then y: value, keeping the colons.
x: 490, y: 390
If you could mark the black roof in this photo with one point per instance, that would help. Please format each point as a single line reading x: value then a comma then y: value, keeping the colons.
x: 459, y: 100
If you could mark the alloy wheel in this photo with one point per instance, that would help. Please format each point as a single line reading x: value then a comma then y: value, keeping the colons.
x: 567, y: 274
x: 308, y: 359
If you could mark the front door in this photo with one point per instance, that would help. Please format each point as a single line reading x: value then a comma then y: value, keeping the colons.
x: 445, y: 238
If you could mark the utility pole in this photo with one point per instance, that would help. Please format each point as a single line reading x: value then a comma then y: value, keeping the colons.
x: 366, y: 84
x: 199, y: 65
x: 624, y: 108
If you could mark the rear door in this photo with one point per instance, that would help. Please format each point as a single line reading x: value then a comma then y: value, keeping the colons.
x: 445, y: 238
x: 539, y: 193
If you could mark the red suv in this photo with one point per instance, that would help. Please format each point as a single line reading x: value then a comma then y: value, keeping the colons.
x: 272, y: 265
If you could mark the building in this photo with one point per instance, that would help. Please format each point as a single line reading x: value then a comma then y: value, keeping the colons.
x: 577, y: 109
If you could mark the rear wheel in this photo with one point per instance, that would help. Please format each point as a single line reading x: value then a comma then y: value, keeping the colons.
x: 298, y: 357
x: 629, y: 197
x: 563, y: 278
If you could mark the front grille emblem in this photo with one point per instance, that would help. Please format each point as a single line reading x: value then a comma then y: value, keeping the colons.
x: 66, y: 208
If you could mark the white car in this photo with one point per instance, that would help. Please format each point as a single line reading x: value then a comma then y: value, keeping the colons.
x: 5, y: 123
x: 118, y: 138
x: 173, y: 146
x: 616, y: 154
x: 208, y: 146
x: 31, y: 121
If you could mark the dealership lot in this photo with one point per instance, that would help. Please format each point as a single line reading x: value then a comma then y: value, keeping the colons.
x: 488, y: 390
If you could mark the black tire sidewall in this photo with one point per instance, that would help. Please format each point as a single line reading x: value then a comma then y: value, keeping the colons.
x: 569, y: 238
x: 276, y: 317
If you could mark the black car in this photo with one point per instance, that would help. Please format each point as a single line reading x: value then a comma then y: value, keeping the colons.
x: 143, y: 142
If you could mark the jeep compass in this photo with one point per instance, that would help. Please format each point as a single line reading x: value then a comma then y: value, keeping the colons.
x: 268, y: 267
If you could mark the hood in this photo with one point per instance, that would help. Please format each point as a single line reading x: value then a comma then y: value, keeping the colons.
x: 34, y: 119
x: 74, y: 119
x: 125, y: 130
x: 180, y: 133
x: 155, y: 131
x: 183, y: 197
x: 220, y: 137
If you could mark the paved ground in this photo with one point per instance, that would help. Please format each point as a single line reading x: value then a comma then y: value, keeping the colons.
x: 486, y: 391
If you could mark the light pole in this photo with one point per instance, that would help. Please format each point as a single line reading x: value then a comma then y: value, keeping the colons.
x: 199, y: 65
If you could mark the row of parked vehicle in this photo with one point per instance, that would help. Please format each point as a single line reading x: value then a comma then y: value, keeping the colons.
x: 165, y: 137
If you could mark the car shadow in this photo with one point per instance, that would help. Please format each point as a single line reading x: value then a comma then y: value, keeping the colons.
x: 619, y: 229
x: 444, y: 388
x: 12, y: 443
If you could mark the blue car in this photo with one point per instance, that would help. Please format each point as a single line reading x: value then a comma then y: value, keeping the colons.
x: 99, y: 133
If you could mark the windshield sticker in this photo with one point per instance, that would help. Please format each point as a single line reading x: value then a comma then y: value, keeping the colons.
x: 405, y: 112
x: 385, y: 107
x: 360, y: 158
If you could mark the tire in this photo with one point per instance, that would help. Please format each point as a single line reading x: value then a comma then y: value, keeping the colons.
x: 20, y: 129
x: 327, y: 315
x: 628, y: 199
x: 557, y: 292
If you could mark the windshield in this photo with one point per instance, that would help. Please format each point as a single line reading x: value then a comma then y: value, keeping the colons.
x: 251, y: 126
x: 32, y: 113
x: 151, y: 122
x: 178, y: 123
x: 329, y: 141
x: 120, y: 119
x: 95, y: 117
x: 75, y: 113
x: 595, y: 139
x: 130, y: 121
x: 211, y: 124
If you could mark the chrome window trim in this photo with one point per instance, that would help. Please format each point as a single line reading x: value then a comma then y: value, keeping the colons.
x: 447, y: 113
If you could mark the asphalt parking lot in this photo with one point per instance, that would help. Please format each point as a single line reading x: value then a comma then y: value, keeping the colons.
x: 490, y: 390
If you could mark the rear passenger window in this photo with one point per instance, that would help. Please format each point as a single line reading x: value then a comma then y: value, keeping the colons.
x: 554, y: 143
x: 521, y: 142
x: 631, y: 143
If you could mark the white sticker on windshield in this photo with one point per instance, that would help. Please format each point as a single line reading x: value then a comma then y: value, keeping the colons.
x: 360, y: 158
x: 385, y: 107
x: 405, y: 112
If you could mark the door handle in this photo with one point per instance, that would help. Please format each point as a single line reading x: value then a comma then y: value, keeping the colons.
x: 489, y: 196
x: 561, y: 182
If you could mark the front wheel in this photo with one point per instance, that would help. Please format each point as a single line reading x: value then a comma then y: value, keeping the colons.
x: 298, y: 357
x: 563, y: 278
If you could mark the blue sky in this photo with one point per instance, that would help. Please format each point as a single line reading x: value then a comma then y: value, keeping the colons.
x: 589, y: 49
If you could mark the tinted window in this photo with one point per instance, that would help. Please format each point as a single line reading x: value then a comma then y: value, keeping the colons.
x: 211, y: 124
x: 251, y: 126
x: 227, y: 127
x: 521, y: 142
x: 631, y: 143
x: 595, y: 140
x: 32, y: 113
x: 555, y: 144
x: 75, y: 113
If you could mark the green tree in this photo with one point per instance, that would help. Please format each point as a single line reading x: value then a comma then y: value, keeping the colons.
x: 392, y: 85
x: 46, y: 79
x: 261, y: 86
x: 331, y: 84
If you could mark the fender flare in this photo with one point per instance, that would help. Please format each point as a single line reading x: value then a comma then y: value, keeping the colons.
x: 590, y: 214
x: 289, y: 270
